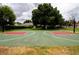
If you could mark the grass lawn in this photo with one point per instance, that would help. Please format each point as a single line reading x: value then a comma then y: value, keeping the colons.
x: 71, y: 29
x: 39, y: 42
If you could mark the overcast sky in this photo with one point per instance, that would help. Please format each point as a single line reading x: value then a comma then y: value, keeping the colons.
x: 24, y: 10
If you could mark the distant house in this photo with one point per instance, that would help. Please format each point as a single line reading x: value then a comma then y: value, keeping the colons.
x: 28, y: 24
x: 77, y: 25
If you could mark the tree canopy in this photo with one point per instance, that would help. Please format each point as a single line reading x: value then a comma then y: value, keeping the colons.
x: 7, y: 16
x: 68, y: 23
x: 45, y: 15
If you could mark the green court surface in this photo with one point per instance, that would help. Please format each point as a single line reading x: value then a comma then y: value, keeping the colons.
x: 38, y: 38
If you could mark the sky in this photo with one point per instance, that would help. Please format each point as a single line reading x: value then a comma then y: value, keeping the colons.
x: 23, y: 11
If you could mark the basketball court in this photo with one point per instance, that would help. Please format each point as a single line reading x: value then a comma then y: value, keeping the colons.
x: 39, y: 38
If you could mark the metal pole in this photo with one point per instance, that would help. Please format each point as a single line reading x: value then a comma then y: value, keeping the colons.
x: 74, y: 25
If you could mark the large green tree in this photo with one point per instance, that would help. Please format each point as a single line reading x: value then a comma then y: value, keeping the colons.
x: 7, y: 16
x: 45, y: 15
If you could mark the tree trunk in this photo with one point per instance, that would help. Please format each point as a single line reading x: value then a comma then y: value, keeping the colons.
x: 3, y: 28
x: 44, y: 27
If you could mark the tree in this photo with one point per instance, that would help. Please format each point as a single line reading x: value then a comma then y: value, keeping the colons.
x: 68, y: 23
x: 18, y: 23
x: 45, y: 15
x: 7, y: 16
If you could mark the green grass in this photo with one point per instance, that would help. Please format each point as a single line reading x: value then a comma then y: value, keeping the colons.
x: 71, y: 29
